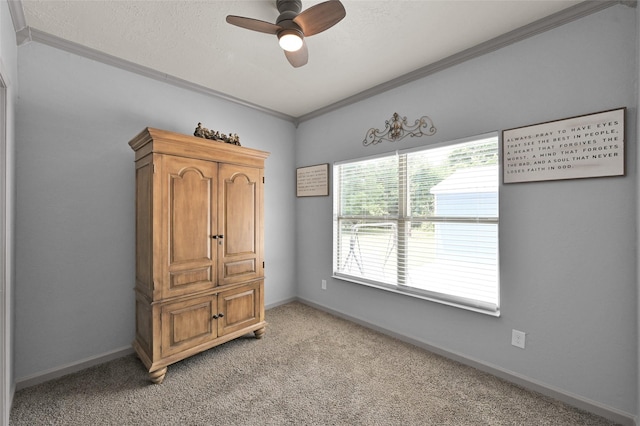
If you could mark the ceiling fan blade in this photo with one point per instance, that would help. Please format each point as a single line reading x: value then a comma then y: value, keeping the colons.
x: 298, y: 58
x: 253, y: 24
x: 320, y: 17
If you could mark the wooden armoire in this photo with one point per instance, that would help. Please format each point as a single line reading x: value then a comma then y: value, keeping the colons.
x: 199, y: 246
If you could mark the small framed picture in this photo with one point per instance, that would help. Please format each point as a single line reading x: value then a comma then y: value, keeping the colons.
x: 312, y: 181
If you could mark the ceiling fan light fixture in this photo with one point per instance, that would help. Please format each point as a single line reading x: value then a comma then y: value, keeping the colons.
x: 290, y: 40
x: 292, y: 26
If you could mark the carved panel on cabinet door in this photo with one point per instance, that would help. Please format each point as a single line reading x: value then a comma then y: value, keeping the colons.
x: 190, y: 216
x: 239, y: 268
x: 191, y: 197
x: 241, y: 308
x: 189, y: 276
x: 187, y: 324
x: 239, y: 212
x: 240, y: 217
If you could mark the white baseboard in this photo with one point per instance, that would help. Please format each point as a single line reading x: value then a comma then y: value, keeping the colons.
x: 618, y: 416
x: 63, y: 370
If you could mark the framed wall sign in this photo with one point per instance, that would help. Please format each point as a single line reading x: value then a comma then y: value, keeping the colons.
x: 312, y: 181
x: 585, y: 146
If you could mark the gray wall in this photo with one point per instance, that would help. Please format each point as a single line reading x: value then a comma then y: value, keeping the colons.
x: 568, y: 248
x: 637, y: 222
x: 75, y: 199
x: 9, y: 70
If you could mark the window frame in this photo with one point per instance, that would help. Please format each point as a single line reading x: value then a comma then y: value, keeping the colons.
x: 404, y: 219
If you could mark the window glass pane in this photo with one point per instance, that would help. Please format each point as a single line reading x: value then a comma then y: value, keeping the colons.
x: 468, y: 192
x: 424, y: 223
x: 460, y: 259
x: 368, y: 250
x: 458, y: 180
x: 369, y: 188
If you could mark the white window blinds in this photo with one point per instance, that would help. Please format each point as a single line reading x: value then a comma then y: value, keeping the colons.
x: 422, y: 222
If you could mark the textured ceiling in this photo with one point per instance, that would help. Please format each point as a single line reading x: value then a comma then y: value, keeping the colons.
x: 377, y: 42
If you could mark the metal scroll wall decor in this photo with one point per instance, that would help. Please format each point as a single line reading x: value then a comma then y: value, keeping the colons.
x: 397, y: 129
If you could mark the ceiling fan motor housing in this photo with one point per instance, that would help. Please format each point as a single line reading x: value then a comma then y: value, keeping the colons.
x: 289, y: 9
x: 294, y: 6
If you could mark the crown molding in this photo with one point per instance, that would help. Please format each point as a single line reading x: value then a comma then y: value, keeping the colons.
x: 19, y: 22
x: 545, y: 24
x: 17, y: 14
x: 50, y: 40
x: 25, y: 34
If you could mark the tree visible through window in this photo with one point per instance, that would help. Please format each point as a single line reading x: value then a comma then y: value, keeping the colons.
x: 422, y: 222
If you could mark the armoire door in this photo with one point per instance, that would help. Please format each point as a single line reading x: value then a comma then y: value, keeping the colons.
x: 187, y: 323
x: 189, y: 226
x: 240, y: 308
x: 239, y: 223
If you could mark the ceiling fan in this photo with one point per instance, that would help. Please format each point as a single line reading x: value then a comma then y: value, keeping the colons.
x: 292, y: 27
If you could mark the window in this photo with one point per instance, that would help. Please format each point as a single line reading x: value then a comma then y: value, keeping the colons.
x: 422, y: 222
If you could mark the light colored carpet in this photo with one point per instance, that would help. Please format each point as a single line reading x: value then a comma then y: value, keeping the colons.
x: 311, y: 368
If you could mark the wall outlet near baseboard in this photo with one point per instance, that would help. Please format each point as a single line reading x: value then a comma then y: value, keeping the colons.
x: 324, y: 284
x: 517, y: 338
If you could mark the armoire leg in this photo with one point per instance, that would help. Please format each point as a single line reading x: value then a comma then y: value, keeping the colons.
x: 157, y: 376
x: 260, y: 332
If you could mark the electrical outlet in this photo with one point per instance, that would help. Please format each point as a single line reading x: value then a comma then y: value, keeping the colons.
x: 517, y: 338
x: 324, y: 284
